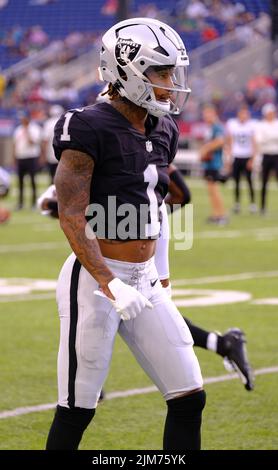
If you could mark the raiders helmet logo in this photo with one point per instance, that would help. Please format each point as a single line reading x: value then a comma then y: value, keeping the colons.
x: 126, y: 50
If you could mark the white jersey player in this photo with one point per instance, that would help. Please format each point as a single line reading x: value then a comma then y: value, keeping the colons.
x: 241, y: 151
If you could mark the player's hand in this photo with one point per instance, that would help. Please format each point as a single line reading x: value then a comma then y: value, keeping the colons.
x: 166, y: 284
x: 228, y: 168
x: 128, y: 301
x: 249, y: 165
x: 50, y: 193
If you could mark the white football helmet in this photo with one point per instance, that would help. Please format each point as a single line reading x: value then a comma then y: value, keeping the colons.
x: 132, y: 46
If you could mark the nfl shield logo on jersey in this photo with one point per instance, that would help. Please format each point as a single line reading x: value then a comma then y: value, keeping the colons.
x: 149, y: 146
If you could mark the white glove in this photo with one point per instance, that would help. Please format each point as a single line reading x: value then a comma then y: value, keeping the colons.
x: 128, y: 301
x: 50, y: 193
x: 168, y: 290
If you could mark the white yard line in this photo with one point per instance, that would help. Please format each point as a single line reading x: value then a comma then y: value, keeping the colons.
x: 128, y: 393
x: 27, y: 297
x: 26, y: 247
x: 224, y: 278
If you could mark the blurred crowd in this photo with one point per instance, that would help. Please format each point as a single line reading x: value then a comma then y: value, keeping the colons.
x: 209, y: 18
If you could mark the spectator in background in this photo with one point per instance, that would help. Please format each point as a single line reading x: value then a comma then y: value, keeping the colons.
x: 267, y: 137
x: 3, y: 3
x: 197, y: 9
x: 241, y: 152
x: 26, y: 153
x: 36, y: 39
x: 2, y: 85
x: 110, y: 7
x: 47, y: 137
x: 211, y: 157
x: 208, y: 33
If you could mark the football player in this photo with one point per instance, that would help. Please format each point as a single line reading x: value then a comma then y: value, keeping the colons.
x: 241, y: 151
x: 266, y: 136
x: 230, y: 345
x: 113, y: 157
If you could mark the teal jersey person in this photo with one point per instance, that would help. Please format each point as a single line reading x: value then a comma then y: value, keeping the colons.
x: 211, y: 157
x: 215, y: 159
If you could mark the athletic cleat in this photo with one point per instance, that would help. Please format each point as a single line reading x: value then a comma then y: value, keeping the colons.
x: 236, y: 208
x: 235, y: 356
x: 253, y: 209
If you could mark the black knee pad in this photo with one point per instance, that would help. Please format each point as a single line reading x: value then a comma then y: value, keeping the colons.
x: 188, y: 405
x: 76, y: 417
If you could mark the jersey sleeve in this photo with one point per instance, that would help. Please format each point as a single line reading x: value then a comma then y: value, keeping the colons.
x: 74, y: 132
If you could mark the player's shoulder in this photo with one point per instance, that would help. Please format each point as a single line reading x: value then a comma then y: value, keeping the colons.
x: 80, y: 129
x: 171, y: 123
x: 231, y: 122
x: 218, y: 128
x: 169, y: 126
x: 88, y: 117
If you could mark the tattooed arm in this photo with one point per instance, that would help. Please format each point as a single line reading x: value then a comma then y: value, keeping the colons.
x: 73, y: 181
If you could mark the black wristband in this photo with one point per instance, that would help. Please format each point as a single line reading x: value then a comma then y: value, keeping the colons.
x: 176, y: 177
x: 52, y: 205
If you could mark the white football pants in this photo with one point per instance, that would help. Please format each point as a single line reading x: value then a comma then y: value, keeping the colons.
x: 159, y: 338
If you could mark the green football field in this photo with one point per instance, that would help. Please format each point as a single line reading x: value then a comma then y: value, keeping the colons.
x: 228, y: 278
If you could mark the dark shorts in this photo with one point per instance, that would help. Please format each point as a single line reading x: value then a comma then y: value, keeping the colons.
x: 27, y: 166
x: 212, y: 175
x: 240, y: 166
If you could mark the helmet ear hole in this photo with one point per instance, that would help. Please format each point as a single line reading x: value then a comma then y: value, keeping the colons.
x: 122, y: 73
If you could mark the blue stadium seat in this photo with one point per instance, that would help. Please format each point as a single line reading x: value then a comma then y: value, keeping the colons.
x: 61, y: 17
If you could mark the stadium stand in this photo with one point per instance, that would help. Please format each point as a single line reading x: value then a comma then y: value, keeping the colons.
x: 26, y: 19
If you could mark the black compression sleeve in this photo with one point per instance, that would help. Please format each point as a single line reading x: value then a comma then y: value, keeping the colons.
x: 177, y: 178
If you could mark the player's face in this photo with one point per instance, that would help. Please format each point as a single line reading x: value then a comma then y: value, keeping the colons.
x: 270, y: 116
x: 209, y: 115
x: 163, y: 78
x: 243, y: 115
x: 25, y: 121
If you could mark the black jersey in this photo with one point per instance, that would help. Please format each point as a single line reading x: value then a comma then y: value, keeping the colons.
x: 130, y: 176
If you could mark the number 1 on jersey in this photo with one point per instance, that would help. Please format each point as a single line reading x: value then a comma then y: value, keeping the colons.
x: 151, y: 177
x: 65, y: 137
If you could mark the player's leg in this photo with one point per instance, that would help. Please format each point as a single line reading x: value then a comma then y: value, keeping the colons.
x: 231, y: 345
x: 52, y: 167
x: 217, y: 204
x: 275, y: 157
x: 20, y: 174
x: 87, y: 332
x: 248, y: 174
x: 162, y: 344
x: 32, y: 169
x: 266, y: 169
x: 236, y: 176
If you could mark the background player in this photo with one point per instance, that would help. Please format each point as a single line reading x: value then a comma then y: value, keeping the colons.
x: 47, y: 138
x: 241, y: 151
x: 26, y: 154
x: 267, y: 137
